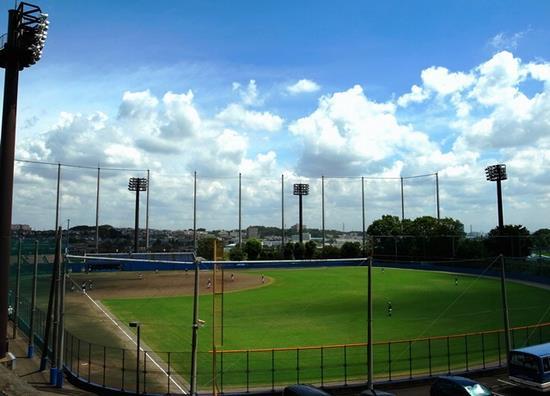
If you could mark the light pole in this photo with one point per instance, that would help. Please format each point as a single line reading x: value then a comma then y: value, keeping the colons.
x: 27, y: 31
x: 498, y: 173
x: 137, y: 184
x: 137, y: 325
x: 300, y: 190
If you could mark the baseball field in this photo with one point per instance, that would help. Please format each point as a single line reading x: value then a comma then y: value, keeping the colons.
x: 318, y: 317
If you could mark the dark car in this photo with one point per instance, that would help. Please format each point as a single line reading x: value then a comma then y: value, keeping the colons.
x: 458, y: 386
x: 303, y: 390
x: 374, y: 392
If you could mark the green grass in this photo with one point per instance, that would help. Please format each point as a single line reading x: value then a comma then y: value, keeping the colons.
x: 326, y: 306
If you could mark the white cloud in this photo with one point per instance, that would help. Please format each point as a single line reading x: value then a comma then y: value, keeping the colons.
x: 439, y: 80
x: 249, y: 95
x: 140, y: 105
x: 502, y: 41
x: 462, y: 121
x: 350, y: 134
x: 235, y: 114
x: 303, y: 86
x: 417, y: 95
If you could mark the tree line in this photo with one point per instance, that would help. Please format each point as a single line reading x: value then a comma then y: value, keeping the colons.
x: 423, y: 238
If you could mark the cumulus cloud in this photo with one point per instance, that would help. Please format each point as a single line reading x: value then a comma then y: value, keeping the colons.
x: 249, y: 95
x: 349, y: 134
x: 303, y: 86
x: 461, y: 121
x: 236, y: 114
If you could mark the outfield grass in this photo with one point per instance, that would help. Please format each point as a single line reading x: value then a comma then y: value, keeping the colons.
x: 325, y: 306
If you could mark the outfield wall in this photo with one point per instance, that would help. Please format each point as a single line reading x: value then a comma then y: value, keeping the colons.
x: 517, y: 269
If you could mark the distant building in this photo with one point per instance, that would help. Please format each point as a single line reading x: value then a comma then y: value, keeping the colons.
x: 252, y: 232
x: 21, y: 228
x: 296, y: 238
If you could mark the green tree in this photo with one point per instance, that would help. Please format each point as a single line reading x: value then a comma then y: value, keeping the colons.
x: 387, y: 225
x: 236, y: 253
x: 205, y: 248
x: 512, y: 241
x: 330, y: 252
x: 541, y: 240
x: 288, y: 251
x: 310, y: 249
x: 350, y: 250
x: 299, y: 251
x: 253, y: 248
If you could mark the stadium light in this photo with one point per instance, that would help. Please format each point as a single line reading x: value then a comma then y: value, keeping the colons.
x: 20, y: 48
x: 497, y: 173
x: 137, y: 184
x: 137, y: 325
x: 300, y: 190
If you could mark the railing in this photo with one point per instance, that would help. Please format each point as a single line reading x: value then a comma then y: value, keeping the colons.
x: 247, y: 370
x: 345, y: 364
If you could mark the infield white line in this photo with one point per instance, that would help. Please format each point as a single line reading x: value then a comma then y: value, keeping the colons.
x: 131, y: 339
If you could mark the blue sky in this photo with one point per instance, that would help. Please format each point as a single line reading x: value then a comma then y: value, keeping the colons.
x: 108, y: 67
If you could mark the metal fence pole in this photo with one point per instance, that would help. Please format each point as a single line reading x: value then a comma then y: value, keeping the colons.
x: 272, y: 370
x: 322, y: 367
x: 78, y: 358
x: 123, y: 368
x: 430, y: 355
x: 448, y: 356
x: 345, y: 365
x: 499, y: 352
x: 297, y: 365
x: 389, y: 361
x: 89, y: 362
x: 410, y: 360
x: 169, y: 372
x: 30, y: 350
x: 247, y: 371
x: 466, y: 351
x: 145, y: 372
x: 483, y: 348
x: 104, y: 364
x: 17, y: 290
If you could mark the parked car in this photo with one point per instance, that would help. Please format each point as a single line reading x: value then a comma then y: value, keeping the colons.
x: 458, y: 386
x: 303, y: 390
x: 375, y: 392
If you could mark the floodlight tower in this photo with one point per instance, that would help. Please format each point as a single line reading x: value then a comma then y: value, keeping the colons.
x: 137, y: 184
x: 300, y: 190
x: 20, y: 48
x: 497, y: 173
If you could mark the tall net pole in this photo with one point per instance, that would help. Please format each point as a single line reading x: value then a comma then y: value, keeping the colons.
x: 97, y: 211
x: 195, y: 212
x: 282, y: 214
x: 217, y: 312
x: 437, y: 193
x: 147, y: 211
x: 240, y: 225
x: 57, y: 196
x: 363, y: 212
x: 323, y: 209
